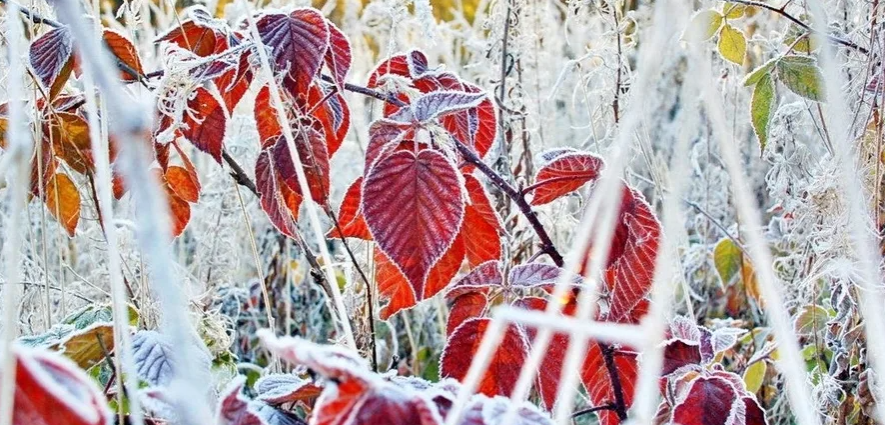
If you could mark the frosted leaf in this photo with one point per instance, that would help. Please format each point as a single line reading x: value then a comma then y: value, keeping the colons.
x: 152, y: 355
x: 439, y: 104
x: 298, y: 42
x: 284, y: 388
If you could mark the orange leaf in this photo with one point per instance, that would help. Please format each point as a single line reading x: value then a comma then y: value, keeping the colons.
x: 125, y: 52
x: 185, y: 184
x: 63, y: 201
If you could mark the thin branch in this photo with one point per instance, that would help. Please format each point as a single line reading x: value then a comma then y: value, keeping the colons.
x: 782, y: 11
x: 589, y: 410
x: 620, y: 406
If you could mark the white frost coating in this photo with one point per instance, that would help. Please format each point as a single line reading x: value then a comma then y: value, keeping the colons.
x: 859, y: 217
x: 20, y: 147
x: 104, y: 187
x: 790, y: 362
x: 279, y: 109
x: 129, y: 124
x: 654, y: 324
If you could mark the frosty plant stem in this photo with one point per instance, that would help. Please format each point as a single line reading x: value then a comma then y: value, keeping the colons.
x: 20, y: 147
x: 188, y: 394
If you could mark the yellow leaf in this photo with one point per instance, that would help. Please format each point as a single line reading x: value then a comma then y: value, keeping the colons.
x: 733, y: 10
x: 83, y: 348
x: 703, y: 26
x: 732, y: 44
x: 755, y: 375
x: 63, y: 201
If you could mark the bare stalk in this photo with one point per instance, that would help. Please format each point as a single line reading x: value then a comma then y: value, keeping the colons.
x: 189, y: 391
x: 20, y: 146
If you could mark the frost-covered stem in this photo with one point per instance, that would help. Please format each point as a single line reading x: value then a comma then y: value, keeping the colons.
x: 790, y: 362
x: 189, y: 390
x: 279, y: 109
x: 104, y: 192
x: 608, y: 357
x: 816, y: 30
x: 19, y: 150
x: 859, y: 218
x: 654, y: 324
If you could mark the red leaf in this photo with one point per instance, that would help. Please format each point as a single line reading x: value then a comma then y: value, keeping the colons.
x: 630, y: 270
x: 52, y: 390
x: 550, y: 370
x: 299, y: 42
x: 709, y: 402
x: 476, y: 127
x: 755, y: 415
x: 413, y: 207
x: 504, y: 366
x: 125, y: 51
x: 338, y: 57
x: 51, y: 57
x: 563, y: 175
x: 350, y: 218
x: 466, y: 306
x: 234, y: 82
x: 200, y: 34
x: 205, y: 124
x: 278, y: 201
x: 266, y: 117
x: 333, y: 113
x: 481, y: 240
x: 314, y: 158
x: 409, y: 65
x: 480, y: 279
x: 393, y: 285
x: 382, y: 134
x: 69, y: 137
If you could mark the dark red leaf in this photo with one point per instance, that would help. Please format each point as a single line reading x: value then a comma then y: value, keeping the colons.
x: 709, y: 402
x: 382, y: 134
x: 563, y: 175
x: 754, y: 413
x: 480, y: 279
x: 51, y: 57
x: 331, y: 110
x: 299, y: 42
x: 413, y: 207
x: 311, y: 146
x: 278, y: 201
x: 679, y: 353
x: 338, y: 57
x: 504, y: 366
x: 52, y: 390
x: 205, y: 124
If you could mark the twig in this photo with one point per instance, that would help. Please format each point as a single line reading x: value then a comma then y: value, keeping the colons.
x: 781, y: 11
x: 620, y: 407
x: 588, y: 410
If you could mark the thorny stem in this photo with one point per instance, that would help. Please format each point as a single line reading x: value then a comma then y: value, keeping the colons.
x: 782, y: 11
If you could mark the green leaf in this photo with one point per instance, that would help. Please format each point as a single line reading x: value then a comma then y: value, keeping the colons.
x: 811, y: 320
x: 807, y: 42
x: 755, y: 75
x: 732, y: 44
x: 761, y: 107
x: 754, y: 376
x: 727, y: 258
x: 86, y: 316
x: 703, y: 26
x: 802, y: 76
